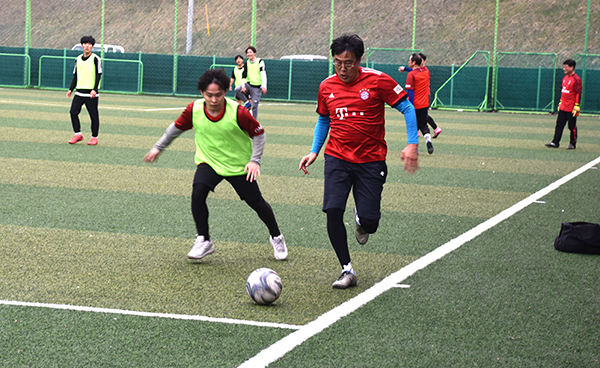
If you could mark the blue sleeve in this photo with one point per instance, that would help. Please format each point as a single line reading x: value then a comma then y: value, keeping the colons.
x: 320, y: 134
x: 408, y: 110
x: 407, y: 69
x: 411, y: 95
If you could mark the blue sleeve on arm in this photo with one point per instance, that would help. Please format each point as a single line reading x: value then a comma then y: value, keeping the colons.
x: 407, y: 69
x: 320, y: 134
x: 408, y: 110
x: 411, y: 95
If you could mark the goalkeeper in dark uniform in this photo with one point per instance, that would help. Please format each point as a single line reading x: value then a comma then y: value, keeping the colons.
x: 568, y: 108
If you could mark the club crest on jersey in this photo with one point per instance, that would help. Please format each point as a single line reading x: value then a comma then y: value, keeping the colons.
x: 364, y: 94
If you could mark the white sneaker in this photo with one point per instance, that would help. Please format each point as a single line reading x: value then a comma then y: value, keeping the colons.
x: 279, y: 246
x: 346, y: 280
x: 201, y: 248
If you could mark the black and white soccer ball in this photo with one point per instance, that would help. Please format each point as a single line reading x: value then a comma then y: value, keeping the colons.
x: 263, y: 286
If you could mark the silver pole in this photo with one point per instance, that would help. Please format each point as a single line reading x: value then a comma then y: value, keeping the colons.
x: 190, y: 26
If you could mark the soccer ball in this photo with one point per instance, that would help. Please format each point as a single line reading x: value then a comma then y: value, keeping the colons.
x: 263, y: 286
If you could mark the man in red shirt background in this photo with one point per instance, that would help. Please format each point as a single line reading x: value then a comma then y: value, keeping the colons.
x: 568, y: 107
x: 417, y: 85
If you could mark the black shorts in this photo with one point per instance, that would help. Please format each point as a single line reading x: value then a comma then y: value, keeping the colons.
x: 245, y: 189
x: 366, y: 181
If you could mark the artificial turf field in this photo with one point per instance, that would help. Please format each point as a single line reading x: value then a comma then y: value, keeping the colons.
x: 93, y: 267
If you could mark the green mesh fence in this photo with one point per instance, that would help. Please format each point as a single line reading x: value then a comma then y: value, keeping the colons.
x: 519, y: 85
x: 588, y: 68
x: 525, y: 81
x: 164, y: 54
x: 467, y: 86
x: 15, y: 69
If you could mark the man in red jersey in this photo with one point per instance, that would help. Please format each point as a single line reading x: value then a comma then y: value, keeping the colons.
x: 351, y: 108
x: 417, y: 85
x: 436, y: 129
x: 568, y: 107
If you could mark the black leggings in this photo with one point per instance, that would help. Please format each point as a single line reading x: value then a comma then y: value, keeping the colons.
x: 257, y: 203
x: 91, y: 104
x: 337, y: 233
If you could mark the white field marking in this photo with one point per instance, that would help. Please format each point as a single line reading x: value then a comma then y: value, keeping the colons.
x: 149, y: 314
x: 101, y: 107
x: 542, y: 202
x: 165, y: 109
x: 402, y: 286
x: 294, y: 339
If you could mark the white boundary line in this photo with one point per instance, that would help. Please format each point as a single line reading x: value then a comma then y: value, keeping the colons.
x: 66, y: 105
x: 288, y: 343
x: 150, y: 314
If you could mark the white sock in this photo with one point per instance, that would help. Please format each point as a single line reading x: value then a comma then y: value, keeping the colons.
x: 348, y: 268
x: 427, y: 137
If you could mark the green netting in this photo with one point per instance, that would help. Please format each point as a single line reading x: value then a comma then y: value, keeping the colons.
x: 467, y: 87
x: 588, y: 68
x: 15, y: 70
x: 523, y: 82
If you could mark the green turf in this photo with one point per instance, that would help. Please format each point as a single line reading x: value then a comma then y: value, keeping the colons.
x: 507, y: 298
x: 95, y: 226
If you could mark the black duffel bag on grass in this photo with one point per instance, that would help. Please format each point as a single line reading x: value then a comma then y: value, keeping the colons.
x: 578, y: 237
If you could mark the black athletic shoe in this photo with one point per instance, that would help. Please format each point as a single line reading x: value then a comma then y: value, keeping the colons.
x: 552, y: 145
x: 429, y: 148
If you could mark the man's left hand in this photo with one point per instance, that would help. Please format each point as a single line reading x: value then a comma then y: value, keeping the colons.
x: 410, y: 156
x: 576, y: 110
x: 252, y: 171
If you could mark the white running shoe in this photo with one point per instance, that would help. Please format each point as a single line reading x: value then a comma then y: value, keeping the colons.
x: 280, y: 249
x: 201, y: 248
x: 346, y: 280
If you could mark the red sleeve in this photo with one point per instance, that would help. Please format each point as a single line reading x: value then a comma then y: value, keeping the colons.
x: 321, y: 105
x: 247, y: 122
x: 390, y: 91
x: 184, y: 121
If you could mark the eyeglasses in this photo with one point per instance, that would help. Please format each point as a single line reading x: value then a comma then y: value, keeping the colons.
x: 347, y: 64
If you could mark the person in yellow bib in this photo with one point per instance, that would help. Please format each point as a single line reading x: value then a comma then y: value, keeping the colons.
x: 236, y: 77
x: 86, y: 79
x: 254, y: 78
x: 229, y: 145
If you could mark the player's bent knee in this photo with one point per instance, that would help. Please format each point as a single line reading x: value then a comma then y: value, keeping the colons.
x: 368, y: 225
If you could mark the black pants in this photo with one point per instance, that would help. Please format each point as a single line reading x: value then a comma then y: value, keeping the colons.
x: 422, y: 115
x: 563, y: 118
x: 91, y: 104
x: 206, y: 179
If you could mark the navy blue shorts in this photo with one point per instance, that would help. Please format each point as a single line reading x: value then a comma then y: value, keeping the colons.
x: 245, y: 189
x: 366, y: 181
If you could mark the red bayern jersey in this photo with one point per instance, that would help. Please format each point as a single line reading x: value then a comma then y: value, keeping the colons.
x: 570, y: 92
x: 418, y: 81
x: 245, y: 120
x: 357, y: 113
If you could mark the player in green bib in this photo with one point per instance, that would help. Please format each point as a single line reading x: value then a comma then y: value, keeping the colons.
x: 86, y: 79
x: 254, y: 78
x: 229, y: 145
x: 236, y: 77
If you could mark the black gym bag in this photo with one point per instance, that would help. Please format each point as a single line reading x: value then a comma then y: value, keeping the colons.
x: 578, y: 237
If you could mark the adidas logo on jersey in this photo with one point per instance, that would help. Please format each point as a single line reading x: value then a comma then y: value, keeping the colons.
x: 331, y: 95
